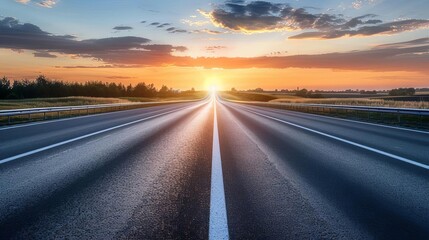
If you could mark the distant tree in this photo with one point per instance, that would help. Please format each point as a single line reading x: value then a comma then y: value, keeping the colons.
x: 402, y: 92
x: 233, y: 89
x: 308, y: 94
x: 165, y: 91
x: 368, y: 92
x: 302, y: 93
x: 43, y: 87
x: 5, y: 89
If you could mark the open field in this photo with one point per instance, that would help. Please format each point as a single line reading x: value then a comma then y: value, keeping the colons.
x: 244, y: 96
x: 77, y: 101
x: 180, y: 97
x: 356, y: 101
x: 404, y: 120
x: 55, y: 102
x: 270, y: 100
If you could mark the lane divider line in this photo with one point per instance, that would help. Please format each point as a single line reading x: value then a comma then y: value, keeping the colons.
x: 218, y: 224
x: 2, y: 128
x: 282, y: 111
x: 81, y: 137
x: 406, y: 160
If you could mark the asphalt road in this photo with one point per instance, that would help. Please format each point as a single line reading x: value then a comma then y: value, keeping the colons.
x: 196, y: 171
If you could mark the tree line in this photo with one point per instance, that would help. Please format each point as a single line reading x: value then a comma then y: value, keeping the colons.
x: 319, y: 93
x: 46, y: 88
x: 402, y: 92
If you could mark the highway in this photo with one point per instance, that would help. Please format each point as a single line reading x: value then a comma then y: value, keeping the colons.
x: 212, y: 169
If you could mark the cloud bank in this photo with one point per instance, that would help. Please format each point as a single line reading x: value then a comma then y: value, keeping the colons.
x: 263, y: 16
x: 122, y: 28
x: 140, y: 52
x: 25, y: 36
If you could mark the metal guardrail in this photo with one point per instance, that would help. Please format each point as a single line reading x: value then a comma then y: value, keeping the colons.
x: 32, y: 111
x: 410, y: 111
x: 403, y: 116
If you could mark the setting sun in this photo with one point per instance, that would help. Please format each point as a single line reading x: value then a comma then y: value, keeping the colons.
x: 212, y: 83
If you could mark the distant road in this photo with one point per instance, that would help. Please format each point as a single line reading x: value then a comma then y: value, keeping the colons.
x: 177, y: 172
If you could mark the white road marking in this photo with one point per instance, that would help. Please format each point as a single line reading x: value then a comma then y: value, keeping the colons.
x: 345, y: 120
x: 406, y: 160
x: 81, y: 137
x: 71, y: 118
x: 218, y: 226
x: 57, y: 120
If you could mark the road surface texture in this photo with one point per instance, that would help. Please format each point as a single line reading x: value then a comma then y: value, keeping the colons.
x: 212, y: 169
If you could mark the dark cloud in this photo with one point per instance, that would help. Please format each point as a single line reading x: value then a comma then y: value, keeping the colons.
x: 208, y: 31
x: 143, y: 21
x: 164, y: 25
x: 361, y: 20
x: 169, y: 29
x: 180, y: 31
x: 385, y: 28
x: 263, y: 16
x: 412, y: 43
x: 176, y: 30
x: 44, y: 55
x: 15, y: 35
x: 118, y: 50
x: 122, y: 28
x: 267, y: 16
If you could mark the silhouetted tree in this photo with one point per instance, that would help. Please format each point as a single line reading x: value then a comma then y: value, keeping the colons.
x: 42, y: 87
x: 402, y: 92
x: 5, y: 89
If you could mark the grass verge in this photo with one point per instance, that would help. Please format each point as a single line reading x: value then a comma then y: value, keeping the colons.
x: 77, y: 101
x: 352, y: 99
x: 392, y: 119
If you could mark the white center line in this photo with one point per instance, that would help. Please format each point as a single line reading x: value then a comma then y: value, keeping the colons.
x: 81, y: 137
x: 406, y: 160
x: 218, y: 226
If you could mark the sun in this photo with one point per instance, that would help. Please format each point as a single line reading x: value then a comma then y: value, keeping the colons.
x: 213, y: 88
x: 212, y: 84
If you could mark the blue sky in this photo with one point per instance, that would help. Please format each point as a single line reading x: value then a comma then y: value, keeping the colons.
x: 215, y: 29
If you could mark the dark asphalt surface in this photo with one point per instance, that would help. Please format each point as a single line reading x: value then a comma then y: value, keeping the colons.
x: 151, y: 179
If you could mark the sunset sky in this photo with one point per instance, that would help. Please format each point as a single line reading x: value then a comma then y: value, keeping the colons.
x: 333, y: 44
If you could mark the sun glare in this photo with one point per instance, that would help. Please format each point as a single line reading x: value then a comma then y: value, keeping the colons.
x: 212, y: 84
x: 212, y: 88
